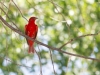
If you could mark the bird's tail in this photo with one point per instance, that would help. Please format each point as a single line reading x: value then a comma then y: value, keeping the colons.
x: 31, y: 49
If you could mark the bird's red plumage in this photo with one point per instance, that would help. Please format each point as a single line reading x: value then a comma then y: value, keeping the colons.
x: 31, y: 30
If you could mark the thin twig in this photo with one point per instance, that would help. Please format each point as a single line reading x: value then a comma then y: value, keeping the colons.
x: 50, y: 47
x: 6, y: 51
x: 58, y: 20
x: 19, y: 10
x: 78, y: 38
x: 80, y: 12
x: 14, y: 62
x: 8, y: 16
x: 52, y: 61
x: 61, y: 14
x: 40, y: 61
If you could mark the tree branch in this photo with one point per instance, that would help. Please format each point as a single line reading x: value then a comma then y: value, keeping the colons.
x: 77, y: 38
x: 52, y: 48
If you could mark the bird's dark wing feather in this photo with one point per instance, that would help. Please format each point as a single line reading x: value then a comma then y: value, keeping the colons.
x: 26, y: 29
x: 26, y: 32
x: 36, y: 32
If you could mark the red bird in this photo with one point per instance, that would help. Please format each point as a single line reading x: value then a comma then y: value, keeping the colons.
x: 31, y: 30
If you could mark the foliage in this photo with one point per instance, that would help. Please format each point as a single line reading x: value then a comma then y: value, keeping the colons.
x: 59, y: 21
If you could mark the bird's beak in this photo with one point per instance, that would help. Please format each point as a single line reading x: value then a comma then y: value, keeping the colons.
x: 36, y: 18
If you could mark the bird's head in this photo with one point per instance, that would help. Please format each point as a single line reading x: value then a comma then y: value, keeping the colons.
x: 32, y: 19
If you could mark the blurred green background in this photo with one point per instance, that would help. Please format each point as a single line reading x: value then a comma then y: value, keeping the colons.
x: 82, y: 17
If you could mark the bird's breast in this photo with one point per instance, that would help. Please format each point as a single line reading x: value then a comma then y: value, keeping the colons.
x: 31, y: 28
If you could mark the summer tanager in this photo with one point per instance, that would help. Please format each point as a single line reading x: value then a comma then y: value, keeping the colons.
x: 31, y: 30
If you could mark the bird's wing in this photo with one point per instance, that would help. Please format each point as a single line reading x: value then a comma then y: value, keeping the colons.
x: 26, y: 32
x: 26, y: 29
x: 36, y: 32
